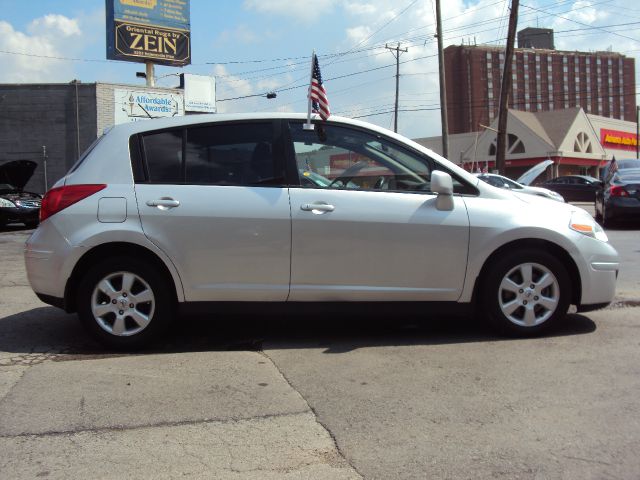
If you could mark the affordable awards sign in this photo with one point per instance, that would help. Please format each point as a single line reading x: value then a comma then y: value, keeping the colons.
x: 149, y: 30
x: 136, y: 105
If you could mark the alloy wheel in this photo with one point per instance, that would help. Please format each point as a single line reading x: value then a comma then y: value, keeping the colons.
x: 529, y: 294
x: 123, y: 303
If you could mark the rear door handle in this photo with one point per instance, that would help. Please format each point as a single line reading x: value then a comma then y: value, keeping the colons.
x: 317, y: 208
x: 163, y: 203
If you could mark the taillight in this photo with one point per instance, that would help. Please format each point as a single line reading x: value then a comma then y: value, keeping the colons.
x: 618, y: 191
x: 60, y: 198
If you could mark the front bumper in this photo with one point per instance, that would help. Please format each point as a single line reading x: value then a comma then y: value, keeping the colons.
x: 19, y: 215
x: 599, y: 265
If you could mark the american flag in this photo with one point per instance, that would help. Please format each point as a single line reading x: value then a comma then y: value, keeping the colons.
x: 317, y: 93
x: 613, y: 168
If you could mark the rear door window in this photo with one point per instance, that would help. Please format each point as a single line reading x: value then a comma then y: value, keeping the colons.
x: 240, y: 154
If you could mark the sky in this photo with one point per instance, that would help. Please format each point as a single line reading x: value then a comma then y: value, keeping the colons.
x: 257, y: 46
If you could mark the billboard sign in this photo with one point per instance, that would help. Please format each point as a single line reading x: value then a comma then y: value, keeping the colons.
x: 149, y: 30
x: 618, y: 139
x: 136, y: 105
x: 199, y: 93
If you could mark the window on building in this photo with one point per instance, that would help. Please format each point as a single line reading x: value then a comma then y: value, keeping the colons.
x: 514, y: 145
x: 582, y: 143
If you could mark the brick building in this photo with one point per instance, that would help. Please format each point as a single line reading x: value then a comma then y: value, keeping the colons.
x: 602, y: 83
x: 52, y: 124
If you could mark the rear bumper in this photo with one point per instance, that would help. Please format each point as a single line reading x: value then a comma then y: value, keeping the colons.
x: 49, y: 260
x: 621, y: 208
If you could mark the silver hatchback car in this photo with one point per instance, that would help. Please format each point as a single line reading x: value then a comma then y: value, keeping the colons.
x: 196, y: 212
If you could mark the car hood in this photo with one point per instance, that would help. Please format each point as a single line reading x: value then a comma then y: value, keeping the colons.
x: 17, y: 172
x: 530, y: 175
x: 538, y: 201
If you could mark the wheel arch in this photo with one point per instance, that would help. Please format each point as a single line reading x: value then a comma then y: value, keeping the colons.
x: 111, y: 249
x: 557, y: 251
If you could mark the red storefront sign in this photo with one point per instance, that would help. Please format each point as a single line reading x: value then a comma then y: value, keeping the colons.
x: 618, y: 139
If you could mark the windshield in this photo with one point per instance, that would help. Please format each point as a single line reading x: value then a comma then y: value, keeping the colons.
x: 628, y: 164
x: 5, y: 187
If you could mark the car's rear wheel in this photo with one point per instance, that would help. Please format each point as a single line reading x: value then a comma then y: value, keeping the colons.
x: 526, y: 292
x: 124, y: 302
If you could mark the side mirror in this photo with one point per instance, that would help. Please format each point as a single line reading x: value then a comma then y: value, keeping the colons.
x: 442, y: 184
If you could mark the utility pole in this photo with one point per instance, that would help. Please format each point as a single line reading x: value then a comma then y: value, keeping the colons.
x: 150, y: 74
x: 638, y: 131
x: 443, y: 90
x: 505, y: 89
x: 397, y: 55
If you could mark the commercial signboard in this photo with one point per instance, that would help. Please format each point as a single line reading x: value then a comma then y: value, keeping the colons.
x: 199, y: 93
x: 618, y: 139
x: 136, y: 105
x: 149, y: 30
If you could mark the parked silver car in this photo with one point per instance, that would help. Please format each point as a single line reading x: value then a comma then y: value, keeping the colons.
x: 168, y: 215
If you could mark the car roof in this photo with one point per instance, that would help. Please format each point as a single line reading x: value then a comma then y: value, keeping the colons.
x: 185, y: 120
x: 586, y: 177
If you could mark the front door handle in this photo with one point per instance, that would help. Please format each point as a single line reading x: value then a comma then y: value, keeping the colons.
x: 317, y: 208
x: 163, y: 203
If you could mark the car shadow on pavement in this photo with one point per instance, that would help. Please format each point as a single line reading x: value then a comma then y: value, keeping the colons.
x: 55, y: 335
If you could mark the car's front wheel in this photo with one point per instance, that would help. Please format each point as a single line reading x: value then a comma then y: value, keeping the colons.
x: 526, y: 292
x: 125, y: 302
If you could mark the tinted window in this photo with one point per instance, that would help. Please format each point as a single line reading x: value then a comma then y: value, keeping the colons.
x: 233, y: 154
x: 163, y: 154
x: 226, y: 154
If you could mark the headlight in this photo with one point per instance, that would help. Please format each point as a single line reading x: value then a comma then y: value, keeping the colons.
x: 582, y: 222
x: 6, y: 203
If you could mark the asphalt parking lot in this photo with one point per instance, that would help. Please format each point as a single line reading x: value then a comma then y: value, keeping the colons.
x: 315, y: 397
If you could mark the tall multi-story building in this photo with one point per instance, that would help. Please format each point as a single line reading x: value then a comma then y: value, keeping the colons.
x: 602, y: 83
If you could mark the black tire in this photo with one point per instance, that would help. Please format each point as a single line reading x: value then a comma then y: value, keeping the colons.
x: 606, y: 221
x: 536, y: 310
x: 31, y: 224
x: 130, y: 333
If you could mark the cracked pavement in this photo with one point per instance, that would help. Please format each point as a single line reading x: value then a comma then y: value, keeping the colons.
x: 70, y: 410
x: 318, y: 397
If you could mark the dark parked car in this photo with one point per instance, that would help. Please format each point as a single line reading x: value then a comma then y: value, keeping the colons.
x: 620, y: 199
x: 17, y: 205
x: 575, y: 188
x: 625, y: 164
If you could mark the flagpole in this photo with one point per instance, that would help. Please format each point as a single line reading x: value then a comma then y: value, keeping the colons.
x: 309, y: 125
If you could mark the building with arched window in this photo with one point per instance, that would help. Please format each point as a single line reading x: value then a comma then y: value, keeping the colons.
x: 577, y: 143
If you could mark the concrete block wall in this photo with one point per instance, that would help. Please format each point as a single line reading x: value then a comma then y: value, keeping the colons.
x: 33, y: 116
